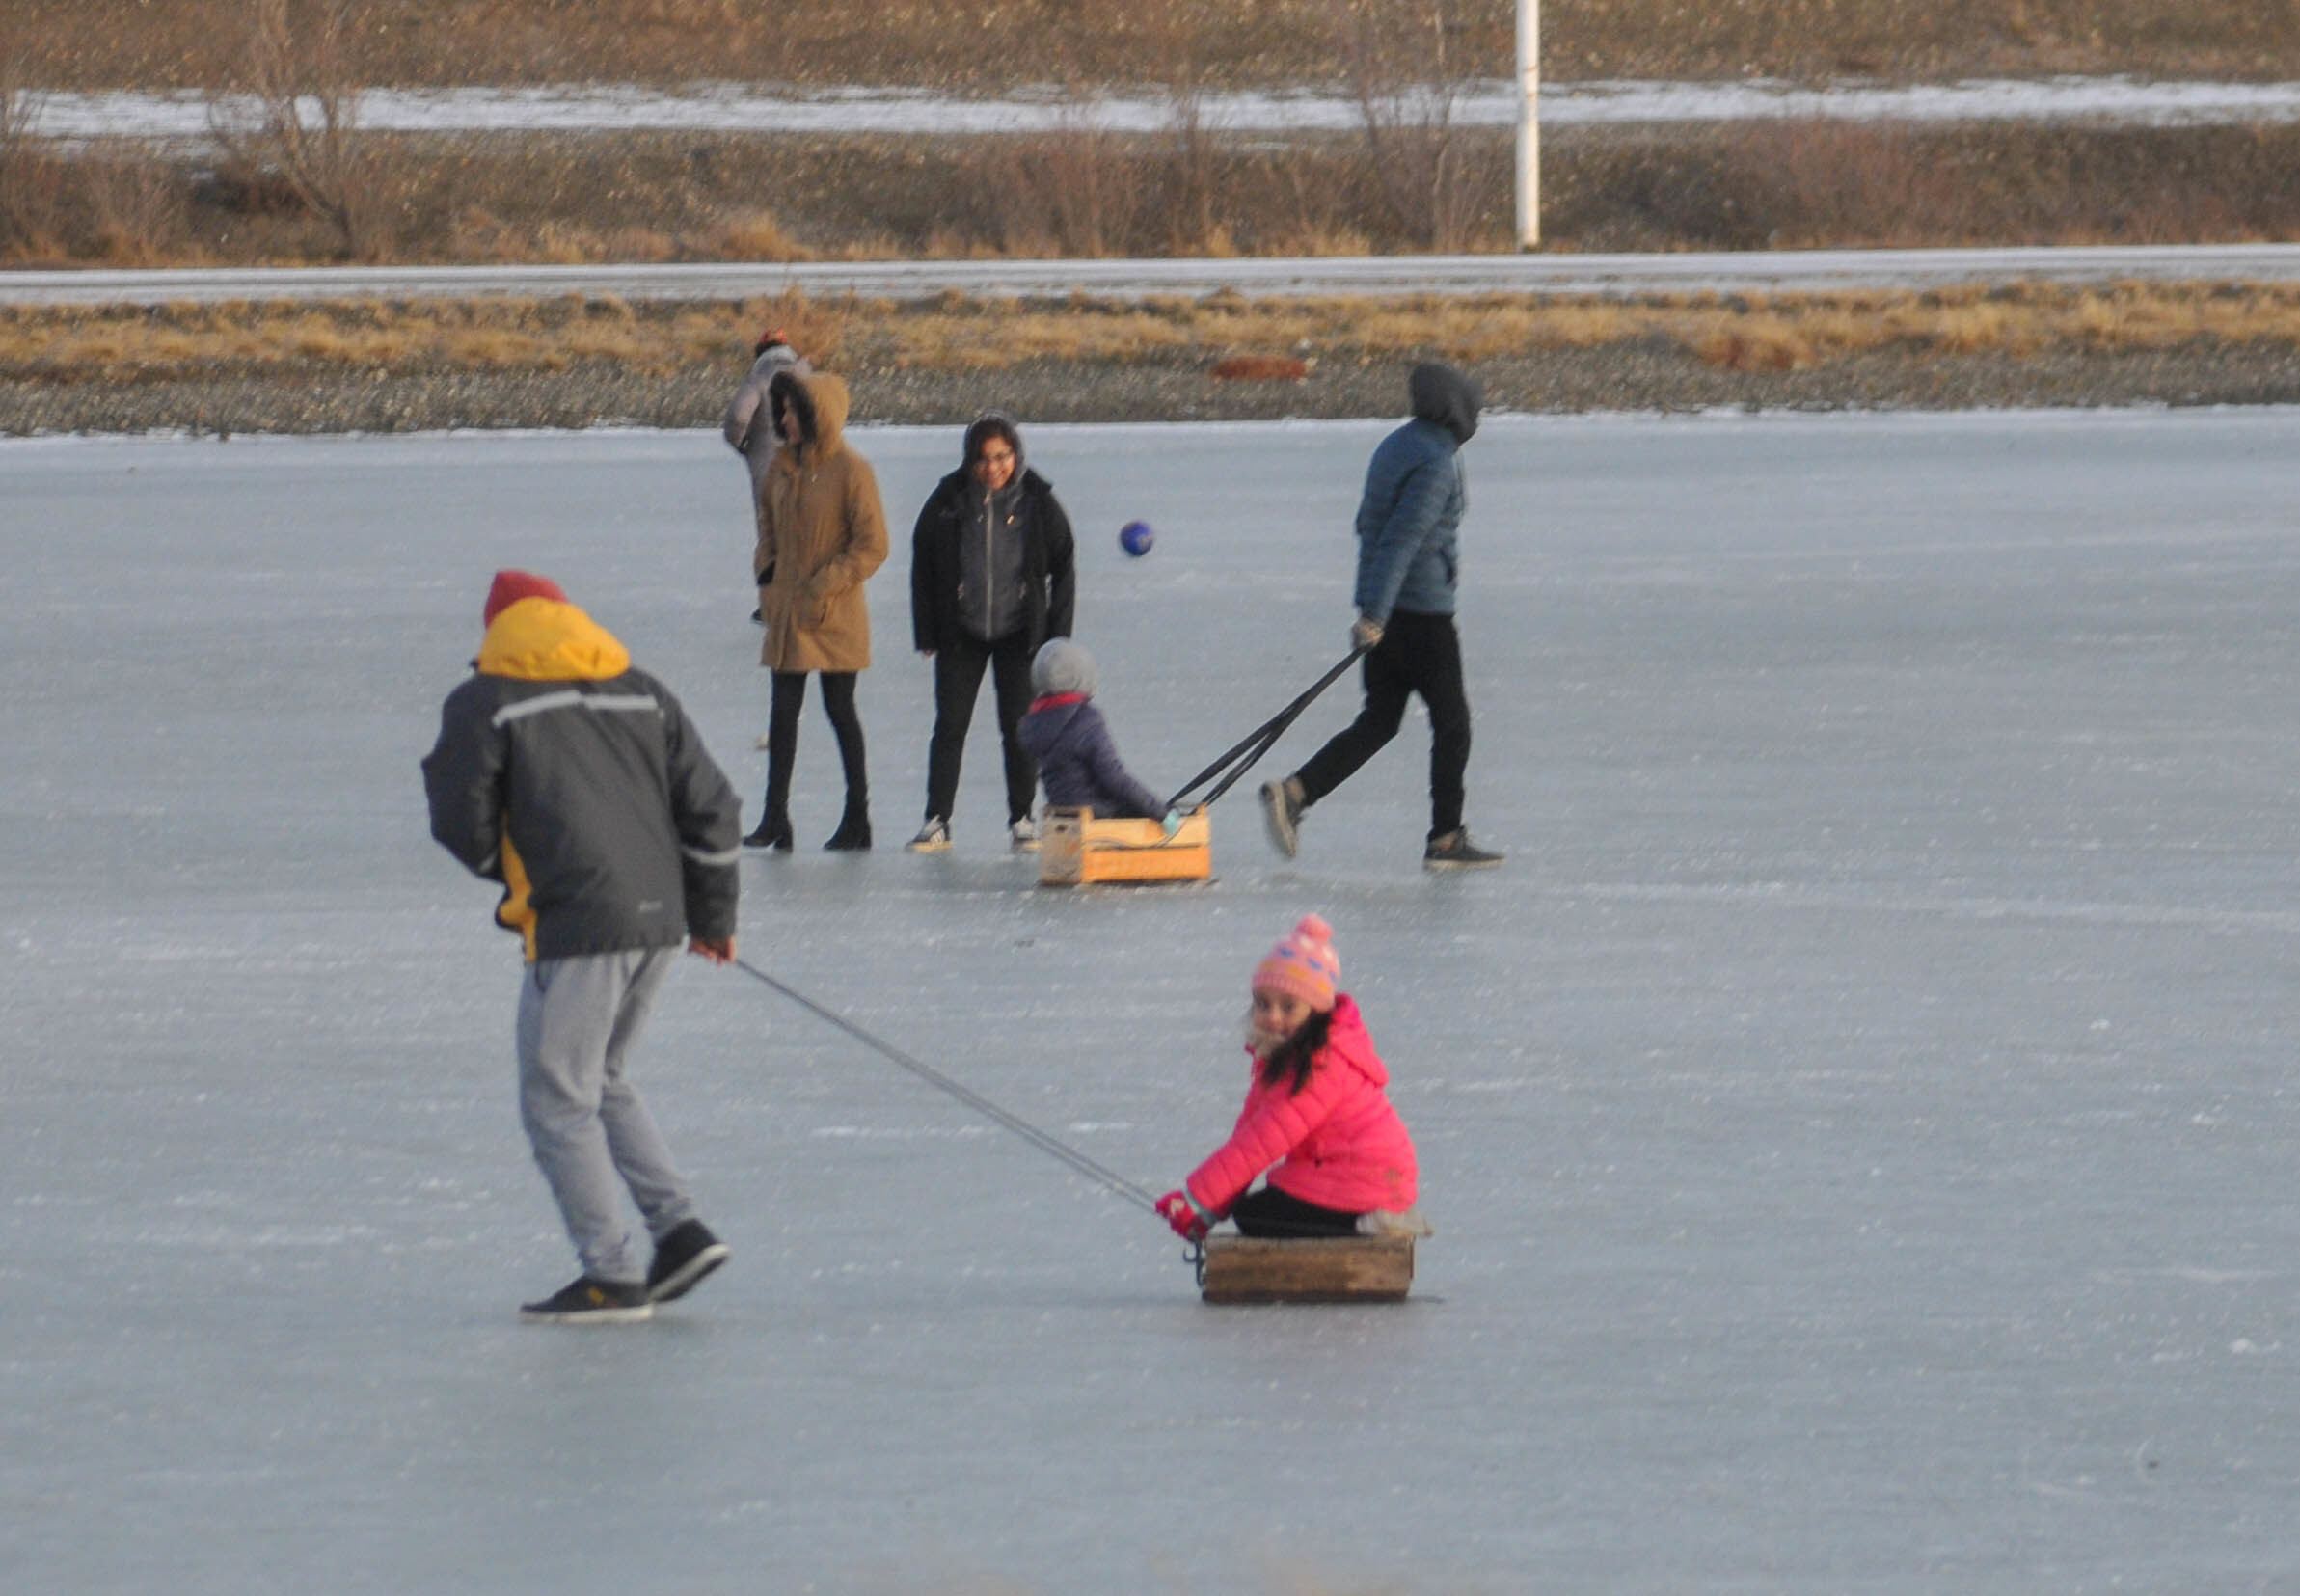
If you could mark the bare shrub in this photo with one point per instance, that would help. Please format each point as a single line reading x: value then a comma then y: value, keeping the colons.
x: 293, y: 116
x: 134, y: 204
x: 1402, y: 65
x: 27, y: 170
x: 1077, y: 193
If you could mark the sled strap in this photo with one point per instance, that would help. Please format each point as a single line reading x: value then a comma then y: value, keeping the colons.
x: 1249, y: 750
x: 1099, y: 1174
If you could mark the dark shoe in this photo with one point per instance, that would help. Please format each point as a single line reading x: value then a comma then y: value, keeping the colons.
x: 1282, y: 807
x: 772, y: 832
x: 1454, y: 851
x: 681, y: 1259
x: 854, y: 836
x: 591, y: 1301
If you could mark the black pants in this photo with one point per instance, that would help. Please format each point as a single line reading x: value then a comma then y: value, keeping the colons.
x: 1272, y: 1212
x: 782, y: 738
x: 958, y: 683
x: 1420, y: 654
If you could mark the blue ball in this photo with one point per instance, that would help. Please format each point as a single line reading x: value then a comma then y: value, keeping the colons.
x: 1135, y: 538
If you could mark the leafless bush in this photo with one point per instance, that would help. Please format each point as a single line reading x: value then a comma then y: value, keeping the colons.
x: 294, y: 114
x: 134, y: 204
x: 1402, y: 65
x: 1078, y: 193
x: 23, y: 181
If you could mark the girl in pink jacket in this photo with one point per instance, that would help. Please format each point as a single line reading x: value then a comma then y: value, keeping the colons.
x: 1316, y: 1117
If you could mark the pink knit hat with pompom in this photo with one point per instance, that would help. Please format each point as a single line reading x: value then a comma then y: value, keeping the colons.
x: 1304, y: 966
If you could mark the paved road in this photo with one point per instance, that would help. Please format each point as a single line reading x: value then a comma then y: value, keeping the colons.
x: 1746, y: 271
x: 740, y: 107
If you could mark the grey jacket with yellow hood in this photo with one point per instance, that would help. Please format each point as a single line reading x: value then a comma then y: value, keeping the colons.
x: 578, y: 783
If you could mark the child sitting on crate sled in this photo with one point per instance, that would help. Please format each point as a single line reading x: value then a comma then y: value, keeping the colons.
x: 1316, y: 1109
x: 1078, y: 763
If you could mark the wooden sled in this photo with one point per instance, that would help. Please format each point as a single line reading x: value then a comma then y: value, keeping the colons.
x: 1077, y: 850
x: 1350, y: 1268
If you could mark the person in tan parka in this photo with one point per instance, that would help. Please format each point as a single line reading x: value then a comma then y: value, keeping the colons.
x: 822, y: 533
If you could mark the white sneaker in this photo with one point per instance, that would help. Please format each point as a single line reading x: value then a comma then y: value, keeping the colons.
x: 934, y: 837
x: 1024, y: 834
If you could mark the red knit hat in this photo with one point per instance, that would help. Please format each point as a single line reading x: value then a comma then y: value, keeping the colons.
x: 510, y: 587
x: 1304, y: 966
x: 769, y: 338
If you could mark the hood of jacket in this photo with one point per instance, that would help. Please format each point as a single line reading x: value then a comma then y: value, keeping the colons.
x: 1448, y: 398
x: 542, y: 640
x: 822, y: 400
x: 1348, y: 1043
x: 990, y: 420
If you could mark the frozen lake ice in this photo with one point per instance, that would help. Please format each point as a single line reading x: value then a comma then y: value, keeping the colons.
x: 1859, y: 1119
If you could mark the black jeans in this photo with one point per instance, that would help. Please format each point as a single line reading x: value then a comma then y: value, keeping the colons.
x: 1272, y: 1212
x: 1422, y: 654
x: 782, y: 738
x: 958, y: 683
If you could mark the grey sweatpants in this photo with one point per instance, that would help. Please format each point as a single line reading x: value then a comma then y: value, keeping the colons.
x: 577, y: 1018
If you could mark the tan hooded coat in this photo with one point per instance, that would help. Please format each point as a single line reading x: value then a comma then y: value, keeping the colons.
x: 822, y: 533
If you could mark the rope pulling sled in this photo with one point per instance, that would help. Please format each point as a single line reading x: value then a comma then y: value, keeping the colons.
x: 1258, y: 1270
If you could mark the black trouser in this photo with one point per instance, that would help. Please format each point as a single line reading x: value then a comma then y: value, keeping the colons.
x: 958, y: 683
x: 1270, y: 1211
x: 782, y: 738
x: 1422, y: 654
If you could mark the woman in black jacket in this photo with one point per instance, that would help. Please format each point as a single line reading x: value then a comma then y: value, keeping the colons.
x: 992, y: 575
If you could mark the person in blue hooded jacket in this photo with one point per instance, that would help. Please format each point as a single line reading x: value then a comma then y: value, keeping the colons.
x: 1408, y: 567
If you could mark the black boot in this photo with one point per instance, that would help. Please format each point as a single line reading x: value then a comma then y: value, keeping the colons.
x: 853, y: 835
x: 775, y: 832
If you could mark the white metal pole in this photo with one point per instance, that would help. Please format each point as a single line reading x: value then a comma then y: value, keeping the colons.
x: 1529, y: 124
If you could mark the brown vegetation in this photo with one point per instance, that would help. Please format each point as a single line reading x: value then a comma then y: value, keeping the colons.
x: 980, y: 46
x: 661, y: 196
x: 1228, y: 335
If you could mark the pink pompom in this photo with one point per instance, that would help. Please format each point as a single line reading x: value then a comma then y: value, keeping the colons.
x: 1311, y: 928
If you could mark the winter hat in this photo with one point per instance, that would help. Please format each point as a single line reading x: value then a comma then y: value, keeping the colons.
x: 772, y: 337
x: 1305, y: 965
x: 1063, y: 666
x: 510, y: 587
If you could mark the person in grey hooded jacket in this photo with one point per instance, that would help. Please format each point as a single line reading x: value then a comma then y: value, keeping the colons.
x: 749, y: 425
x: 1409, y: 565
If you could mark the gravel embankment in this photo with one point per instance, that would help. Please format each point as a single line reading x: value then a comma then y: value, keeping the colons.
x: 1649, y: 375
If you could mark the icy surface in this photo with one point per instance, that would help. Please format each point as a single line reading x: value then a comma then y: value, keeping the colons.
x: 743, y: 107
x: 1858, y: 1120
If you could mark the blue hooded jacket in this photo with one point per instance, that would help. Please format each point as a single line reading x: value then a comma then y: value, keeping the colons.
x: 1415, y: 495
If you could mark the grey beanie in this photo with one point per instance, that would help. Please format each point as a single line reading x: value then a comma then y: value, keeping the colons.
x: 1063, y: 666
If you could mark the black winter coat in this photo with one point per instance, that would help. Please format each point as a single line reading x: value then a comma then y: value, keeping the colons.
x: 578, y: 783
x: 1049, y: 564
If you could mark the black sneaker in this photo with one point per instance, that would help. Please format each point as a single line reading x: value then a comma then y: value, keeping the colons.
x: 591, y: 1301
x: 1281, y: 808
x: 684, y: 1255
x: 1454, y: 851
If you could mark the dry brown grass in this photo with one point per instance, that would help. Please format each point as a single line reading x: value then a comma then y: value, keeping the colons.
x: 1267, y: 340
x: 985, y: 44
x: 557, y: 199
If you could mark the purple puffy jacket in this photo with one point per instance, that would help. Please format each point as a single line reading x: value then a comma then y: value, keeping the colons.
x: 1078, y: 764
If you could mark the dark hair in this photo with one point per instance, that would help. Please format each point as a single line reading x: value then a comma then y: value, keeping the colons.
x: 984, y: 428
x: 787, y: 393
x: 1292, y: 1058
